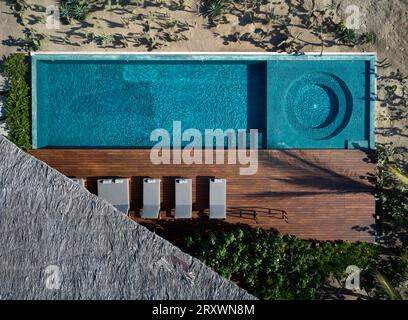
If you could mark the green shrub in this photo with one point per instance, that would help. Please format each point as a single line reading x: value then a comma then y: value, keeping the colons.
x: 273, y: 266
x: 20, y: 5
x: 395, y: 208
x: 19, y: 8
x: 18, y: 100
x: 16, y: 66
x: 32, y: 40
x: 73, y: 10
x: 392, y: 193
x: 215, y: 8
x: 368, y: 37
x: 349, y: 37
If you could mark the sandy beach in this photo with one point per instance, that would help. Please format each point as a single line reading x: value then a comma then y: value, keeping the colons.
x: 182, y: 26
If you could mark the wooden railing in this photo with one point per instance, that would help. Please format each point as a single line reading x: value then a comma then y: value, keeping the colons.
x: 255, y: 212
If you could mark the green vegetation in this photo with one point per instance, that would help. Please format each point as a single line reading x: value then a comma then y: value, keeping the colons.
x: 31, y: 41
x: 351, y: 38
x: 178, y: 5
x: 19, y: 8
x: 392, y: 276
x: 347, y: 36
x: 18, y: 100
x: 215, y: 8
x: 387, y: 288
x: 71, y: 10
x: 160, y: 3
x: 105, y: 39
x: 20, y: 5
x: 391, y: 190
x: 15, y: 66
x: 368, y: 37
x: 273, y: 266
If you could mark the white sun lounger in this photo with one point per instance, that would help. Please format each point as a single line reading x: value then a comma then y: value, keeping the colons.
x: 184, y: 198
x: 218, y: 199
x: 151, y: 198
x: 115, y: 191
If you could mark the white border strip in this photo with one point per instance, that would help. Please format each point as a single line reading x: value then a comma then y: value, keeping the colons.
x: 167, y: 53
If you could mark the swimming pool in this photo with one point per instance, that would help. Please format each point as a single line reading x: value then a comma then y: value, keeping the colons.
x: 117, y: 100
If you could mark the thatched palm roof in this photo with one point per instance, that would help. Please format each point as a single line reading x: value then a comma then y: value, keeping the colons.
x: 55, y: 234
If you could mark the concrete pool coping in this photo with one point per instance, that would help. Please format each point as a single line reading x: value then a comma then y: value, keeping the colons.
x: 370, y: 57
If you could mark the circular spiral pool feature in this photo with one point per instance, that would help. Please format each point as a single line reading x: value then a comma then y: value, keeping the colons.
x: 318, y: 106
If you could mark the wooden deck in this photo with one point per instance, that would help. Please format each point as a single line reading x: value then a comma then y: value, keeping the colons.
x: 325, y: 194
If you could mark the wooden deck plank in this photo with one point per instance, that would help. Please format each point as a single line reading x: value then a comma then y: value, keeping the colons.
x: 326, y: 193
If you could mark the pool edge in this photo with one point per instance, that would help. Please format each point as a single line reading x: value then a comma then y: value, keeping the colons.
x: 370, y: 57
x: 34, y: 119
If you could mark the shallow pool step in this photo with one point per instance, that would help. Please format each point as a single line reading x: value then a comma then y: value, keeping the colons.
x: 357, y: 144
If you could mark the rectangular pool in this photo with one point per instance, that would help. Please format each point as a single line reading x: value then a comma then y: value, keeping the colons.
x: 117, y: 100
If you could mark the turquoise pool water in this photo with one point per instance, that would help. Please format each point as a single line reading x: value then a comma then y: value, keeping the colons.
x: 323, y: 104
x: 116, y: 101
